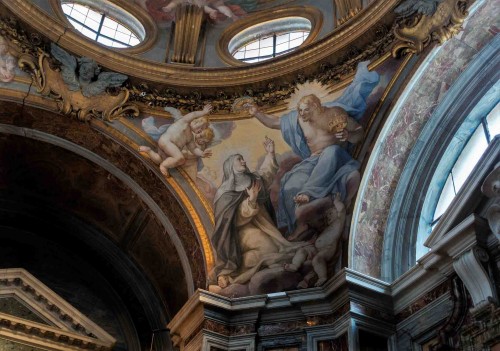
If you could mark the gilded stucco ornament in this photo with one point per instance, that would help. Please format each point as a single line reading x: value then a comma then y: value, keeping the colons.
x: 270, y: 95
x: 78, y: 86
x: 422, y: 21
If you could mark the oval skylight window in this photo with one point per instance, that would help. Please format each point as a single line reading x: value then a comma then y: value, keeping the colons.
x: 111, y: 27
x: 269, y: 39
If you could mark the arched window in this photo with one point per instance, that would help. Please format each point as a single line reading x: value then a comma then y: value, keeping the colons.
x: 488, y: 128
x: 110, y: 30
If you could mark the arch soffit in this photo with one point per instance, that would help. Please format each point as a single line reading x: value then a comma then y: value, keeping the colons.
x: 96, y: 148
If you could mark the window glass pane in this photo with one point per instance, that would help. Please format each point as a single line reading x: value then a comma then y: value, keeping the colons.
x: 282, y: 47
x: 296, y: 35
x: 446, y: 197
x: 493, y: 121
x: 105, y: 41
x: 79, y: 16
x: 134, y: 41
x: 77, y: 25
x: 108, y: 32
x: 296, y: 42
x: 124, y: 38
x: 252, y: 53
x: 266, y: 51
x: 253, y: 45
x: 67, y: 8
x: 469, y: 157
x: 91, y: 23
x: 282, y: 38
x: 108, y: 22
x: 239, y: 55
x: 88, y: 33
x: 265, y: 42
x: 95, y: 16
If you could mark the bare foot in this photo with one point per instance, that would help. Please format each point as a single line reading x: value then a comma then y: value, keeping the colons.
x: 164, y: 171
x: 144, y: 148
x: 290, y: 267
x: 223, y: 281
x: 320, y: 282
x: 302, y: 285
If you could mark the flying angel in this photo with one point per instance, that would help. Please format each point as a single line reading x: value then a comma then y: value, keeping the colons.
x: 191, y: 132
x: 85, y: 74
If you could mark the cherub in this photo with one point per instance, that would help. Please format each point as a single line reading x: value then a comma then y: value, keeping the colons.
x: 182, y: 133
x: 84, y: 74
x: 8, y: 62
x: 325, y: 246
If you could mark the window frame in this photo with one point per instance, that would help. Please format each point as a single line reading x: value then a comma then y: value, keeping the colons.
x: 310, y: 13
x: 129, y: 15
x: 274, y: 53
x: 99, y: 31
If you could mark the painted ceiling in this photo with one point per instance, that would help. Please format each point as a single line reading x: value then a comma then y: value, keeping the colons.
x: 255, y: 198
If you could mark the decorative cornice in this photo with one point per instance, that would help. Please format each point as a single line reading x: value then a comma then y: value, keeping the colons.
x: 356, y: 32
x: 272, y: 94
x: 415, y: 32
x: 71, y: 328
x: 49, y: 82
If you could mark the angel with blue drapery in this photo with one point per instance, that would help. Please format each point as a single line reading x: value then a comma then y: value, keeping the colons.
x: 318, y: 133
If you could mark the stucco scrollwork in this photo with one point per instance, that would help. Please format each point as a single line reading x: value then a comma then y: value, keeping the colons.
x: 491, y: 188
x: 78, y: 86
x: 423, y: 21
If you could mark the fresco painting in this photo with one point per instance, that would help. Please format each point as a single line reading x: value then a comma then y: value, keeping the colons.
x: 280, y: 186
x: 163, y: 11
x: 8, y: 62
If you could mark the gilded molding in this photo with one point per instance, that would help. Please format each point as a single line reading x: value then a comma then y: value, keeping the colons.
x: 200, y: 229
x: 357, y: 31
x: 272, y: 94
x: 381, y: 102
x: 345, y: 10
x: 49, y: 82
x: 199, y: 194
x: 417, y: 31
x: 188, y: 22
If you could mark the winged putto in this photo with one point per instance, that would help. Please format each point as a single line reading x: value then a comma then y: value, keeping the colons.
x: 84, y: 74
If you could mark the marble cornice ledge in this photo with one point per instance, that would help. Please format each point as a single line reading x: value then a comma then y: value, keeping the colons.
x: 437, y: 266
x: 358, y: 32
x: 331, y: 302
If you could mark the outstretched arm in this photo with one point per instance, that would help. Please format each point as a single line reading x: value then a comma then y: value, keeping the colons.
x: 267, y: 120
x: 197, y: 114
x: 195, y: 150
